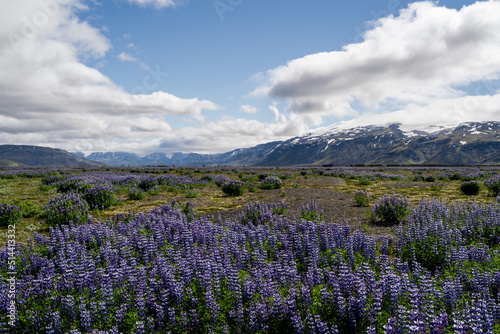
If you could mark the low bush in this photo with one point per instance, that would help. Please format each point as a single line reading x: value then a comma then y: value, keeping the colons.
x: 429, y: 178
x: 148, y: 183
x: 207, y: 177
x: 220, y: 180
x: 233, y: 188
x: 271, y: 182
x: 470, y: 188
x: 493, y: 185
x: 251, y: 188
x: 361, y: 198
x: 364, y: 182
x: 9, y: 215
x: 136, y: 194
x: 28, y: 209
x: 436, y: 187
x: 99, y: 197
x: 191, y: 194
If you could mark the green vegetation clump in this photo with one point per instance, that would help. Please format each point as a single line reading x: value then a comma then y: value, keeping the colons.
x: 436, y: 187
x: 470, y: 188
x: 233, y: 188
x: 191, y: 194
x: 9, y: 215
x: 361, y: 198
x: 364, y: 182
x: 136, y: 194
x: 28, y: 209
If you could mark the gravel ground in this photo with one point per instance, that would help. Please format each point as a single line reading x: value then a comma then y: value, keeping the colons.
x: 337, y: 206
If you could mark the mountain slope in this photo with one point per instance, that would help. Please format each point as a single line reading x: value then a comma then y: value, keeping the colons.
x: 27, y: 155
x: 466, y: 144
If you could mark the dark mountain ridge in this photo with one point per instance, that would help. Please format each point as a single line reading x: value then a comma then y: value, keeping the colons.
x: 35, y: 156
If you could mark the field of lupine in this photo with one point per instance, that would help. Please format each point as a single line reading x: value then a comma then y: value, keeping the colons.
x: 170, y: 269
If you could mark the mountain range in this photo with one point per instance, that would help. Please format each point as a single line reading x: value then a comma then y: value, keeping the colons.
x: 473, y: 143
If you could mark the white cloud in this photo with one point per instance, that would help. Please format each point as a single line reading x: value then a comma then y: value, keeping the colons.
x: 420, y: 57
x: 248, y: 109
x: 126, y: 57
x: 447, y: 112
x: 228, y: 134
x: 49, y: 97
x: 155, y: 3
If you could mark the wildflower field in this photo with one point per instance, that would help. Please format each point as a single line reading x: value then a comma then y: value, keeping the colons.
x: 241, y: 250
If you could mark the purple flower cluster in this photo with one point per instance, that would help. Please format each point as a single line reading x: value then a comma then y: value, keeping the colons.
x: 220, y: 180
x: 271, y: 182
x: 391, y: 209
x: 67, y: 208
x: 29, y: 172
x: 493, y: 185
x: 9, y: 215
x: 165, y: 271
x: 357, y: 173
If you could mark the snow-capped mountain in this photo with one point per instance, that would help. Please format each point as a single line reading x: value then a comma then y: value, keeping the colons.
x: 473, y: 143
x: 466, y: 144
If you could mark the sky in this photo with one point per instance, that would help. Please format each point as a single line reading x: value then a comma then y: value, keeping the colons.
x: 209, y: 76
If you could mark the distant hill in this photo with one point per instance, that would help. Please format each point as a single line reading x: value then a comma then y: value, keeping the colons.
x: 244, y: 156
x: 475, y: 143
x: 35, y: 156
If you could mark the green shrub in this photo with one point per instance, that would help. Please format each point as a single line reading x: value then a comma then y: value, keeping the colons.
x: 233, y: 188
x: 28, y: 209
x: 251, y: 188
x: 136, y: 194
x: 364, y: 182
x: 9, y: 215
x: 424, y: 178
x: 436, y: 187
x: 361, y: 198
x: 208, y: 178
x: 191, y: 194
x: 470, y: 188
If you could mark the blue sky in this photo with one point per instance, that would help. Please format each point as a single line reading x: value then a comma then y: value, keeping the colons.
x: 210, y: 76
